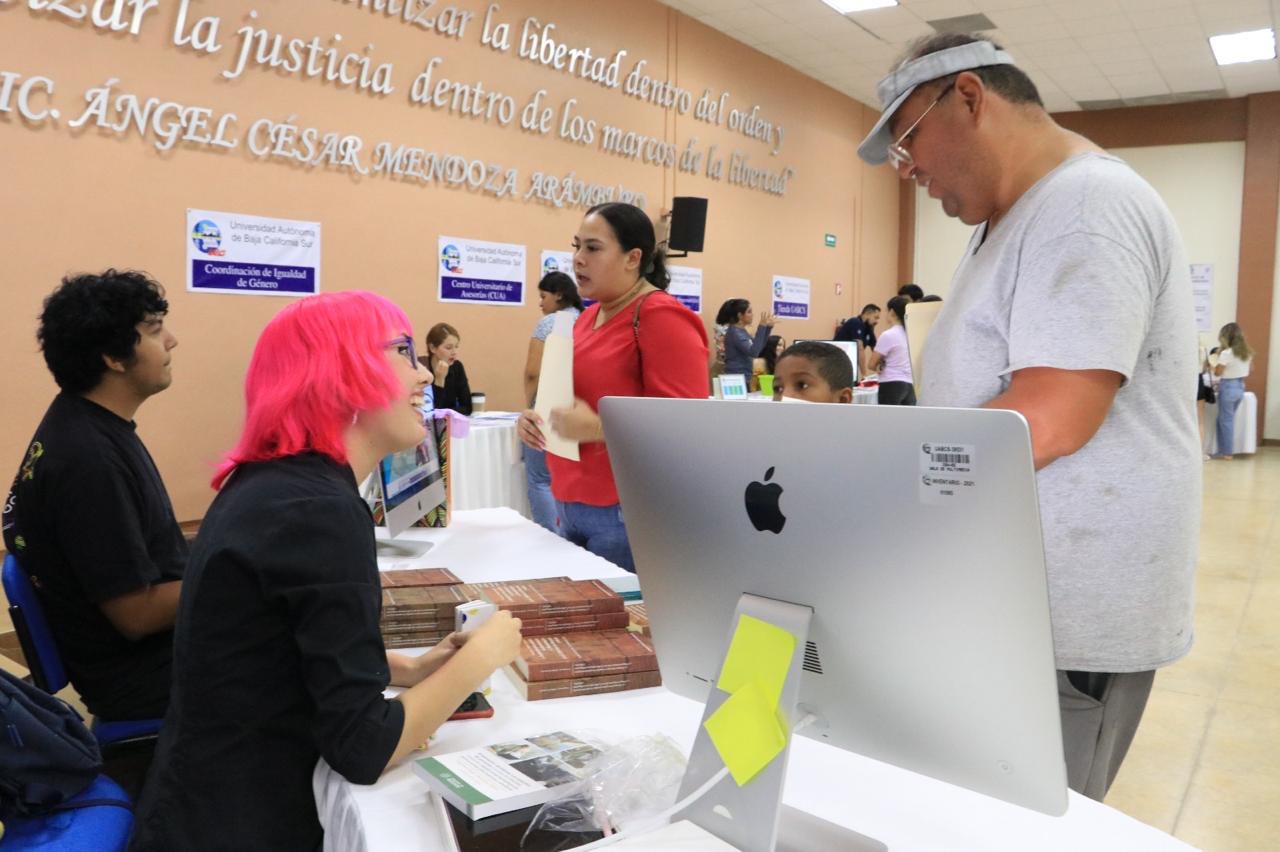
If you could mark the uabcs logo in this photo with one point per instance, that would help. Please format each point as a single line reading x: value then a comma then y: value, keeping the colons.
x: 777, y: 289
x: 550, y: 265
x: 451, y: 258
x: 207, y: 237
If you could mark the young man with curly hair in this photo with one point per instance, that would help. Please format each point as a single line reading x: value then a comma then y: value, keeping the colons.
x: 88, y: 516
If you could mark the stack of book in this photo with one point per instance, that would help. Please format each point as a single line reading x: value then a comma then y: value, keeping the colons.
x: 418, y: 605
x: 584, y: 664
x: 556, y: 605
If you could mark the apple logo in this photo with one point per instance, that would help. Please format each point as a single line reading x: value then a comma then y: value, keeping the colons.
x: 762, y: 504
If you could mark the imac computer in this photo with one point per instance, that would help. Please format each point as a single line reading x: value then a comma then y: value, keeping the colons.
x: 907, y: 537
x: 410, y: 484
x: 849, y: 347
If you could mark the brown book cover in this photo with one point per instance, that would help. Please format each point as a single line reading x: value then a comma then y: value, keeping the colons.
x: 570, y: 687
x: 440, y: 601
x: 570, y: 655
x: 573, y: 623
x: 419, y: 577
x: 549, y: 597
x: 420, y: 639
x: 426, y: 623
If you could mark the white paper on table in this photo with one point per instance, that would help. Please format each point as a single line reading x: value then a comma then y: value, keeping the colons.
x: 555, y: 383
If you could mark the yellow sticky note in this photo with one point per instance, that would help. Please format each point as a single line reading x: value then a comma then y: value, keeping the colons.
x: 746, y: 732
x: 759, y: 652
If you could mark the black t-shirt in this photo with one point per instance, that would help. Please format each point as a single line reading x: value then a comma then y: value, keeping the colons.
x: 278, y: 661
x: 857, y: 329
x: 88, y: 516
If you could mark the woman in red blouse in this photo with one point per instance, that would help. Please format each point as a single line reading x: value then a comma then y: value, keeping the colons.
x: 617, y: 264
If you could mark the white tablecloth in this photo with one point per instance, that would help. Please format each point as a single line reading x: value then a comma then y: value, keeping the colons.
x: 899, y: 808
x: 1246, y: 438
x: 486, y: 468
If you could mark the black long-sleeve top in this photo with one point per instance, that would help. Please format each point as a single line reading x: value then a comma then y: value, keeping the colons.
x: 456, y: 392
x: 277, y: 661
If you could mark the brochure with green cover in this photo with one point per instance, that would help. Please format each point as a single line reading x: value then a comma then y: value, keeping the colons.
x: 506, y: 776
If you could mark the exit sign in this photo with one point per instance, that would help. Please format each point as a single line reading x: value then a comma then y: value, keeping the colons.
x: 830, y: 240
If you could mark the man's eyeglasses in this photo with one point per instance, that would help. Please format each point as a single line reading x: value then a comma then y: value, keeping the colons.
x: 404, y: 346
x: 899, y: 156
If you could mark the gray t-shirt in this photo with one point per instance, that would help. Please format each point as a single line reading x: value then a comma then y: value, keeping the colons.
x: 1087, y: 272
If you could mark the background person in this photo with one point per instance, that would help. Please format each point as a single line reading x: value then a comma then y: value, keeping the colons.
x: 773, y: 346
x: 1234, y: 357
x: 862, y: 330
x: 739, y: 346
x: 1064, y: 232
x: 88, y: 515
x: 556, y: 292
x: 912, y: 292
x: 891, y: 358
x: 814, y: 371
x: 637, y: 340
x: 278, y: 659
x: 451, y: 389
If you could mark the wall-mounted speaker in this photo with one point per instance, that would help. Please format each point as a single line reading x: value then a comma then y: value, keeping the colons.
x: 688, y: 223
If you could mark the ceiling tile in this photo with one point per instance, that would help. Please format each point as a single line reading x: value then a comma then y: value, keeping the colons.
x: 1192, y: 81
x: 712, y: 6
x: 1090, y: 91
x: 1179, y: 15
x: 906, y: 33
x: 929, y: 10
x: 894, y: 16
x: 1140, y: 65
x: 1138, y: 85
x: 1092, y: 26
x: 1075, y: 10
x: 751, y: 19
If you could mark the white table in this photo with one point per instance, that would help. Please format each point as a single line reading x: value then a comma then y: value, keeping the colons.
x: 900, y: 808
x: 1246, y: 427
x: 486, y: 468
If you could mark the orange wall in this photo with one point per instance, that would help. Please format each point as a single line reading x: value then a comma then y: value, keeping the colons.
x: 77, y: 200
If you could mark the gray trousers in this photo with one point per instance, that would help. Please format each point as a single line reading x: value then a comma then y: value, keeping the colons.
x: 1100, y: 715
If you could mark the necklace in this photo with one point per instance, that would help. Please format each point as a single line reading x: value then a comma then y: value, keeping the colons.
x: 610, y: 310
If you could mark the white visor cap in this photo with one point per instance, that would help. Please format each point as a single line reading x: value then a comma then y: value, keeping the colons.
x: 894, y: 89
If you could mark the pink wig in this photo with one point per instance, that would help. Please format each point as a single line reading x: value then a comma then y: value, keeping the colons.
x: 317, y: 364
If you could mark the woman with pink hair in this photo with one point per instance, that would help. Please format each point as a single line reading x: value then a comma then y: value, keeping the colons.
x: 278, y: 659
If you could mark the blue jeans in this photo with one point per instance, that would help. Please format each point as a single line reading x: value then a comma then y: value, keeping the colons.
x: 541, y: 504
x: 1230, y: 392
x: 599, y: 529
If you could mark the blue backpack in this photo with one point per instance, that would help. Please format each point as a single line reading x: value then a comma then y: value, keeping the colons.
x: 47, y: 755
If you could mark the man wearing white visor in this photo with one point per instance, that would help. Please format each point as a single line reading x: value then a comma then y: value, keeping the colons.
x: 1072, y: 306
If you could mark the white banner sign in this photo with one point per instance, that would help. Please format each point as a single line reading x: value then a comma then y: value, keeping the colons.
x: 557, y: 261
x: 1202, y: 295
x: 686, y: 285
x: 474, y: 271
x: 790, y: 297
x: 251, y: 255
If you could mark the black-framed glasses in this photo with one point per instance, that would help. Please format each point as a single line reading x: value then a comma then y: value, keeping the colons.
x: 899, y: 156
x: 404, y: 346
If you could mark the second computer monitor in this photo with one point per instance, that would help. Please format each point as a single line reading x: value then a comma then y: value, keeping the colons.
x: 412, y: 484
x: 849, y: 347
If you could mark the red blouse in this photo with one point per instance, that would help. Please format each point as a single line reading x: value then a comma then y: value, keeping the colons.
x: 606, y: 363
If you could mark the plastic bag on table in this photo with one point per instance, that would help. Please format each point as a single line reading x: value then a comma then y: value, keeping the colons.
x: 628, y: 783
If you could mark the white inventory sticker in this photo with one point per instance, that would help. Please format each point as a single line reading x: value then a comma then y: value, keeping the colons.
x: 947, y: 472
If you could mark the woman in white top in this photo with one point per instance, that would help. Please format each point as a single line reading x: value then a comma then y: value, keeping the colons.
x: 556, y: 292
x: 891, y: 360
x: 1234, y: 359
